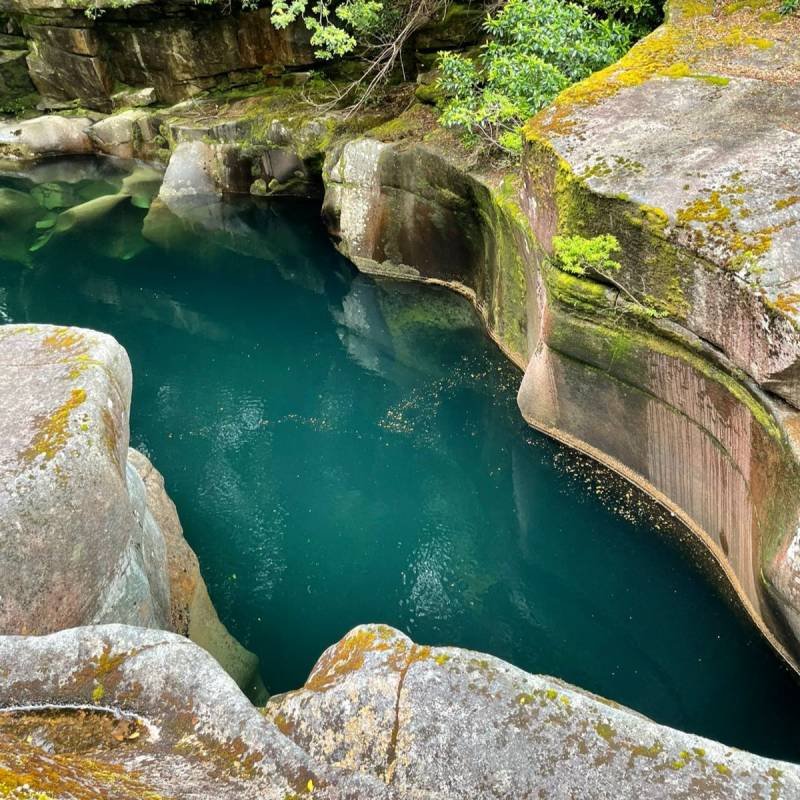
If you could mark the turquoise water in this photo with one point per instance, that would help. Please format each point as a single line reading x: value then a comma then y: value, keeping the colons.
x: 343, y: 450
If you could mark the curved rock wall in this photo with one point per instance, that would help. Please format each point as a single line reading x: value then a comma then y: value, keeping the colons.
x: 407, y: 211
x: 670, y: 411
x: 671, y: 419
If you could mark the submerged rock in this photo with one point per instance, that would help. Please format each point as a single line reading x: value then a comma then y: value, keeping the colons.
x: 191, y: 173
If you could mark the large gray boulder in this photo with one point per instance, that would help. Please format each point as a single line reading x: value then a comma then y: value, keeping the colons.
x: 45, y: 136
x: 89, y: 534
x: 77, y: 545
x: 126, y: 713
x: 448, y: 723
x: 130, y: 714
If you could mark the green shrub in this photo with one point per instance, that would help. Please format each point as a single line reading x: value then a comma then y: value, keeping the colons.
x: 578, y: 255
x: 340, y: 28
x: 789, y: 7
x: 536, y: 48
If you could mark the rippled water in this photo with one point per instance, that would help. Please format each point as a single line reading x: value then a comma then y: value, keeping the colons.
x: 343, y: 450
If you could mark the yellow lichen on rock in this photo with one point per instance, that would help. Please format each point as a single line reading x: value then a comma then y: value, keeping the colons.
x: 53, y: 432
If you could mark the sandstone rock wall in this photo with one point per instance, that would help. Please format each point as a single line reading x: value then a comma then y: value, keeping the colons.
x: 702, y: 407
x: 407, y: 211
x: 175, y: 48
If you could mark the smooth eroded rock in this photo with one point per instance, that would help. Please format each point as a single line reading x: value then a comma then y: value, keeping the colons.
x: 45, y: 136
x: 76, y: 547
x: 128, y: 714
x: 448, y: 723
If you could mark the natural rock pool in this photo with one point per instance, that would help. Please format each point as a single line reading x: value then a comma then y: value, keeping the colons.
x: 343, y: 450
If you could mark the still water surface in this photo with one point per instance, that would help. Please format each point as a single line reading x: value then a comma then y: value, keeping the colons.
x: 343, y: 450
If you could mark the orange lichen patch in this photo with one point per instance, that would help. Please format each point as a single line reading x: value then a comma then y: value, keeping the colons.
x: 712, y: 223
x: 72, y: 730
x: 52, y: 433
x: 106, y: 663
x: 79, y: 364
x: 788, y: 303
x: 348, y: 656
x: 738, y: 37
x: 224, y: 759
x: 63, y: 339
x: 284, y: 725
x: 709, y: 209
x: 786, y: 202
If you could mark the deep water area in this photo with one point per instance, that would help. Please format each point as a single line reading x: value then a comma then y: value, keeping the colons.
x: 345, y: 450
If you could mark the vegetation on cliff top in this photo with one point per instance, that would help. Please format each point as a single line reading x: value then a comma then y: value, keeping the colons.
x: 535, y: 49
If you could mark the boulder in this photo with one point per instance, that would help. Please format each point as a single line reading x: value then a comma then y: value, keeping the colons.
x: 411, y: 208
x: 708, y: 220
x: 134, y: 98
x: 116, y: 135
x: 62, y: 75
x: 448, y: 723
x: 78, y: 546
x: 113, y: 711
x: 90, y: 534
x: 191, y: 173
x: 45, y: 136
x: 126, y: 713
